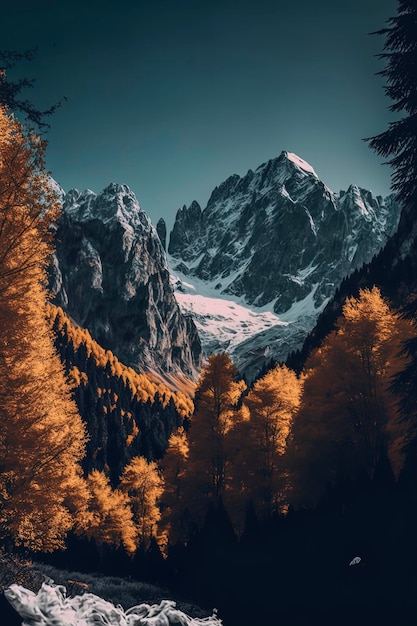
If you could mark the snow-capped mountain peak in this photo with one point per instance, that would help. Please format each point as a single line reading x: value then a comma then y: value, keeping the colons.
x: 299, y: 163
x: 276, y: 240
x: 116, y: 204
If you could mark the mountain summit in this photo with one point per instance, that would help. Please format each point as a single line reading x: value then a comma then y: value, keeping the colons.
x: 276, y: 240
x: 110, y: 274
x: 252, y: 271
x: 278, y: 233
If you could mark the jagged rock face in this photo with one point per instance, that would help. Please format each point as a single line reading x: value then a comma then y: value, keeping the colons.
x: 110, y: 274
x: 161, y: 229
x: 258, y: 265
x: 188, y: 232
x: 278, y: 234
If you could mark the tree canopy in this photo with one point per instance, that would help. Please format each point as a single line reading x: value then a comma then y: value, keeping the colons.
x: 42, y: 437
x: 400, y: 139
x: 209, y: 463
x: 261, y: 437
x: 349, y: 419
x: 10, y: 91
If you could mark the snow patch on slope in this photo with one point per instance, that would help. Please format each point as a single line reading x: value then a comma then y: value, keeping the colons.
x: 300, y: 163
x: 248, y: 333
x: 222, y: 322
x: 277, y: 243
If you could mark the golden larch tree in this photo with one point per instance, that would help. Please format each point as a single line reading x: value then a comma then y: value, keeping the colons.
x: 208, y: 472
x: 173, y: 526
x: 349, y: 417
x: 260, y: 438
x: 108, y: 517
x: 143, y: 483
x: 42, y: 437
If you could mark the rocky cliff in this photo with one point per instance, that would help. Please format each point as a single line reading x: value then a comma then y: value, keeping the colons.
x: 278, y: 242
x: 110, y: 274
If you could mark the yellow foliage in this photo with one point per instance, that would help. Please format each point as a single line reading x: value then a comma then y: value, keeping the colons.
x: 218, y: 394
x: 107, y: 517
x: 143, y: 483
x: 141, y: 385
x: 258, y: 443
x: 42, y: 437
x: 349, y: 416
x: 133, y: 434
x: 209, y: 467
x: 174, y: 465
x: 178, y: 444
x: 77, y: 378
x: 272, y: 403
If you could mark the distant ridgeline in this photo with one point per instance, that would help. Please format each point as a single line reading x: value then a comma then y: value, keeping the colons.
x: 126, y: 413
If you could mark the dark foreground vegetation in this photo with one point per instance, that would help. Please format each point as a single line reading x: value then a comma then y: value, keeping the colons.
x: 295, y: 569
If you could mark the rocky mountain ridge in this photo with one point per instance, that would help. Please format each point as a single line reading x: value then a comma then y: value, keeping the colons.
x: 277, y: 241
x: 109, y: 273
x: 252, y: 271
x: 268, y: 235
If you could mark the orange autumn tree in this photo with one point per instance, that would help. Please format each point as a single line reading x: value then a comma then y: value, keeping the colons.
x: 42, y: 436
x: 142, y: 482
x: 208, y: 471
x: 260, y: 438
x: 107, y: 518
x: 349, y: 420
x: 172, y: 526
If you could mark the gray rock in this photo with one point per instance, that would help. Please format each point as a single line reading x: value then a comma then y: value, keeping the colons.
x: 277, y: 239
x: 279, y: 232
x: 110, y: 275
x: 161, y: 229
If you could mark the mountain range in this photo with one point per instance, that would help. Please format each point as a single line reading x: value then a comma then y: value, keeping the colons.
x: 250, y: 273
x: 257, y: 266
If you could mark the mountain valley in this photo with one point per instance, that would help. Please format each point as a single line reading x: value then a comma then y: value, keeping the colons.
x: 250, y: 274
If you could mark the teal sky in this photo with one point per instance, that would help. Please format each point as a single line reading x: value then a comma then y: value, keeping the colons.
x: 173, y: 96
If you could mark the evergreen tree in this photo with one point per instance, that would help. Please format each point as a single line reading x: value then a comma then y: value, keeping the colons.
x: 399, y: 141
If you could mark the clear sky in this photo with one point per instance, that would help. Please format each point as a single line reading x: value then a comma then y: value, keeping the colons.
x: 173, y: 96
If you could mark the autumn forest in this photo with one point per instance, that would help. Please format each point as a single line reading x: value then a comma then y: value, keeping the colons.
x: 105, y: 468
x: 247, y: 489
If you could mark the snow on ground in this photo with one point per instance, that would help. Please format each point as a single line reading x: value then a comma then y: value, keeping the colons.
x: 304, y: 308
x: 223, y: 321
x: 51, y: 607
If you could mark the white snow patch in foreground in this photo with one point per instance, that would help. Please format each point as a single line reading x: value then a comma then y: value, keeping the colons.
x: 51, y: 607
